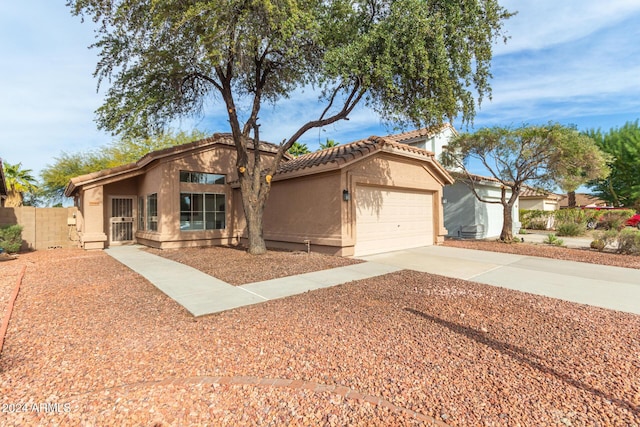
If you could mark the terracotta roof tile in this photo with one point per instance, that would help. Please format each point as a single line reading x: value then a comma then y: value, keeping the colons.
x: 526, y: 192
x: 347, y: 153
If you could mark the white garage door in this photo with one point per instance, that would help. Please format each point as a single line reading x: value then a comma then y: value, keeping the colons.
x: 389, y: 220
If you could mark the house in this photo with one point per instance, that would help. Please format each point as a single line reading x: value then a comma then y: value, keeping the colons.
x: 4, y: 192
x: 584, y: 200
x: 464, y: 215
x: 536, y: 199
x: 369, y: 196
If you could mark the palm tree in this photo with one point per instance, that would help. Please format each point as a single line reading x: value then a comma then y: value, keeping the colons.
x: 330, y: 143
x: 18, y: 182
x: 298, y: 149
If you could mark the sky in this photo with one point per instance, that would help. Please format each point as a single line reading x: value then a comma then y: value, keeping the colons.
x: 570, y: 61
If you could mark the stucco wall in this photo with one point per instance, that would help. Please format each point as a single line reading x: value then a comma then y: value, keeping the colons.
x: 43, y: 228
x: 306, y: 208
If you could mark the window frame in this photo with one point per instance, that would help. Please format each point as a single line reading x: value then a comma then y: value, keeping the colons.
x: 205, y: 213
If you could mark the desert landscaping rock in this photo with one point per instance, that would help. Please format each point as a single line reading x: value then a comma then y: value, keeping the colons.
x: 236, y: 267
x: 110, y: 349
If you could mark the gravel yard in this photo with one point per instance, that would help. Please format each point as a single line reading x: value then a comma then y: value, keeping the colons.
x: 92, y: 343
x: 236, y: 267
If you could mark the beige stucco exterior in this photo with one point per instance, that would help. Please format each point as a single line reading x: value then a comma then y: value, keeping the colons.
x: 305, y: 209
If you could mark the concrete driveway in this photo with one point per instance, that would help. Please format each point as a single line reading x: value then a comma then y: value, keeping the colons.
x: 614, y: 288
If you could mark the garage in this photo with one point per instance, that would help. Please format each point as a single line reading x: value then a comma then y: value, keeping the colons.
x: 389, y: 219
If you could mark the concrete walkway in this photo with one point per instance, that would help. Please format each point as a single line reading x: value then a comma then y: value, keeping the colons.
x: 609, y: 287
x: 202, y: 294
x: 602, y: 286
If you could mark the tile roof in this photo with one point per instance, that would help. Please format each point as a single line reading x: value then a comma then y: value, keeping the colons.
x: 583, y: 199
x: 347, y: 153
x: 530, y: 192
x: 215, y: 139
x: 421, y: 133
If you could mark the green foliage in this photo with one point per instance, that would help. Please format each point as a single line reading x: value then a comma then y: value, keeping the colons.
x: 597, y: 245
x: 534, y: 219
x: 538, y: 155
x: 622, y: 187
x: 329, y: 144
x: 19, y: 181
x: 569, y: 228
x: 625, y: 241
x: 629, y: 241
x: 553, y: 240
x: 298, y: 149
x: 614, y: 220
x: 55, y: 177
x: 11, y: 238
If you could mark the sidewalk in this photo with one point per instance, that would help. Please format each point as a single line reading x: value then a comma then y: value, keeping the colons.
x: 202, y: 294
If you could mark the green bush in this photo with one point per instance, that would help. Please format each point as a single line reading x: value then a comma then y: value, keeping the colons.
x: 534, y: 219
x: 571, y: 229
x: 598, y: 245
x: 553, y: 240
x: 615, y: 220
x: 629, y: 242
x: 609, y: 237
x: 11, y: 238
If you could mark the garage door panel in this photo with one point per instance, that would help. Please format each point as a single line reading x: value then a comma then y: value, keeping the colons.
x: 389, y: 220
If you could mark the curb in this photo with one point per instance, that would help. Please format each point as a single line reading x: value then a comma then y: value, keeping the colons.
x: 7, y: 314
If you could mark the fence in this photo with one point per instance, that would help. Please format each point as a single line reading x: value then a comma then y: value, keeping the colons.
x: 43, y: 228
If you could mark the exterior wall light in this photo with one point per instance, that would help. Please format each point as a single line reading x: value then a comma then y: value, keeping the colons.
x: 345, y: 195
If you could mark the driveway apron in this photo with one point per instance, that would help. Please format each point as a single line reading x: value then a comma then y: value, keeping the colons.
x: 609, y: 287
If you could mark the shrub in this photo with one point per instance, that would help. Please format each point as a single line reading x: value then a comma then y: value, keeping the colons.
x: 11, y: 238
x: 598, y: 245
x: 615, y: 220
x: 609, y: 237
x: 629, y: 242
x: 534, y: 219
x: 571, y: 229
x: 553, y: 240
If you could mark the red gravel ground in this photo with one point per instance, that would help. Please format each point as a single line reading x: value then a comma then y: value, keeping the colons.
x: 91, y: 343
x: 550, y: 251
x: 236, y: 267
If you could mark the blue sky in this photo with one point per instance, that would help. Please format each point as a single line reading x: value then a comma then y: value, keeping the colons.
x: 571, y: 61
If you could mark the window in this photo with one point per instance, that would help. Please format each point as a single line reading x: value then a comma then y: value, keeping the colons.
x: 201, y: 178
x: 141, y: 213
x: 152, y: 212
x: 202, y: 211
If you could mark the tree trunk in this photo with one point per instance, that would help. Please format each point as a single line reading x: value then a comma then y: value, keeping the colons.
x: 254, y: 196
x: 572, y: 199
x: 507, y: 224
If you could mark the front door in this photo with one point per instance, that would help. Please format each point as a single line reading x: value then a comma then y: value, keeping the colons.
x: 121, y: 220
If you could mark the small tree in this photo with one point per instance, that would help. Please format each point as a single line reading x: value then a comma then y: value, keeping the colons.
x: 538, y: 155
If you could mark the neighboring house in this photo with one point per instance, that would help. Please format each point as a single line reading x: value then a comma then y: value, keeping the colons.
x: 4, y: 193
x: 464, y: 215
x: 583, y: 200
x: 532, y: 198
x: 368, y: 196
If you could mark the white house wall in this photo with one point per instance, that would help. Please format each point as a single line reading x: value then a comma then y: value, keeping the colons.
x: 466, y: 217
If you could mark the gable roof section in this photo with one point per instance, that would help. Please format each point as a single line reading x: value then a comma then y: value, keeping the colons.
x: 424, y: 133
x: 4, y: 192
x: 535, y: 193
x: 582, y: 200
x: 224, y: 139
x: 337, y: 157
